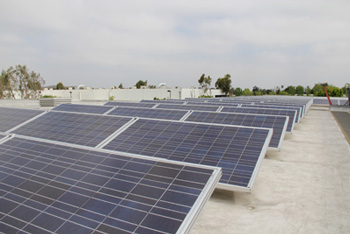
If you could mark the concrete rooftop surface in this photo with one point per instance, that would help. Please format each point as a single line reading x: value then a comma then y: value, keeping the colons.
x: 303, y: 188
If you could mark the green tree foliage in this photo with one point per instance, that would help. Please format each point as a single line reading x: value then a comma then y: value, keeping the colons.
x: 238, y: 91
x: 290, y: 90
x: 224, y: 84
x: 205, y: 82
x: 247, y: 92
x: 60, y: 86
x: 318, y: 90
x: 120, y: 86
x: 308, y: 90
x: 299, y: 90
x: 21, y: 80
x: 152, y: 86
x: 141, y: 83
x: 332, y: 91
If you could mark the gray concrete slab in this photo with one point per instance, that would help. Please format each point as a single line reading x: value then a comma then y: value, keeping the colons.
x: 303, y: 188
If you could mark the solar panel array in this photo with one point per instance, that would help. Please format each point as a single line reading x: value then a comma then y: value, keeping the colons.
x: 11, y: 117
x: 237, y: 150
x: 277, y: 123
x: 83, y: 108
x: 251, y: 110
x: 81, y: 129
x: 53, y: 188
x: 149, y: 113
x: 76, y: 179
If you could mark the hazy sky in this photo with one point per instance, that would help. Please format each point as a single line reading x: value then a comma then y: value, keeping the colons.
x: 266, y: 43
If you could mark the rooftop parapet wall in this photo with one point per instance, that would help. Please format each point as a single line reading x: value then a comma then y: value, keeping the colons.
x: 127, y: 94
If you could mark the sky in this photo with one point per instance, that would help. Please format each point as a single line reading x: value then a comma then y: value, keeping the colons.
x: 102, y: 43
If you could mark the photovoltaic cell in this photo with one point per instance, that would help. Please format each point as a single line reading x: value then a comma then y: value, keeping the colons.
x: 11, y: 117
x: 82, y: 108
x: 237, y: 150
x: 277, y: 123
x: 134, y: 104
x: 187, y: 107
x: 251, y: 110
x: 149, y: 113
x: 81, y: 129
x: 52, y: 188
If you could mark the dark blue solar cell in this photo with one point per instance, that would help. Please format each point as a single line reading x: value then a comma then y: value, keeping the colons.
x: 161, y: 223
x: 120, y: 224
x: 5, y: 228
x: 13, y: 180
x: 120, y: 185
x: 49, y: 222
x: 99, y: 206
x: 6, y: 206
x: 69, y: 227
x: 73, y: 199
x: 24, y: 213
x: 127, y: 214
x: 13, y: 222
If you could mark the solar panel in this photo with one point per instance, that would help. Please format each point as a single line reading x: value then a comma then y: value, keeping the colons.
x: 11, y: 117
x: 53, y: 188
x: 149, y: 113
x: 298, y: 109
x: 82, y: 129
x: 83, y: 108
x: 251, y: 110
x: 237, y: 150
x: 187, y: 107
x: 134, y: 104
x: 277, y: 123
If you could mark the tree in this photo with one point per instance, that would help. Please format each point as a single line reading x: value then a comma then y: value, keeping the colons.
x: 308, y: 90
x: 291, y: 90
x: 141, y: 83
x: 224, y: 84
x: 256, y: 90
x: 21, y: 80
x: 318, y: 90
x: 152, y: 86
x: 334, y: 91
x: 238, y: 92
x: 205, y: 82
x: 120, y: 86
x: 247, y: 92
x: 299, y: 90
x: 60, y: 86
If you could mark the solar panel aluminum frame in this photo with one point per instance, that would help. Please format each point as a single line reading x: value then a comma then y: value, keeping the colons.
x: 196, y: 208
x: 223, y: 186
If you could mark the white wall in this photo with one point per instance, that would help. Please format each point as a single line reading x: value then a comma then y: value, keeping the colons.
x: 127, y: 94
